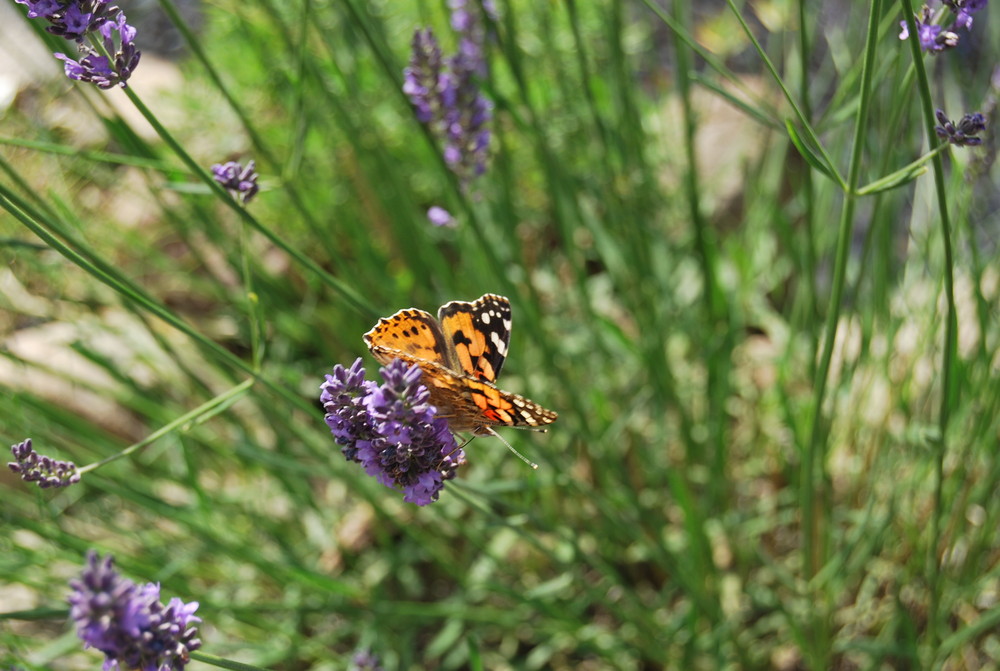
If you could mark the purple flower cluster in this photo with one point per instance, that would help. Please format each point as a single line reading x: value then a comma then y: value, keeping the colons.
x: 445, y: 94
x: 391, y: 429
x: 106, y: 63
x: 241, y: 182
x: 963, y: 132
x: 71, y: 19
x: 963, y: 10
x: 97, y: 68
x: 365, y: 660
x: 47, y: 472
x: 934, y: 38
x: 128, y: 623
x: 468, y: 23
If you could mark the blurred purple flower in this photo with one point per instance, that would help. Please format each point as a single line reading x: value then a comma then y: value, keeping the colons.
x: 962, y: 133
x: 932, y: 38
x: 445, y: 93
x: 241, y: 182
x: 47, y: 472
x: 365, y: 660
x: 128, y: 623
x: 97, y: 68
x: 468, y: 23
x: 391, y: 429
x: 964, y: 9
x: 420, y: 79
x: 440, y: 216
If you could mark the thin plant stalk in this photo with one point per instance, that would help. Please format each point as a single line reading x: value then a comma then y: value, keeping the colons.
x: 808, y: 193
x: 813, y: 471
x: 949, y: 393
x: 199, y: 414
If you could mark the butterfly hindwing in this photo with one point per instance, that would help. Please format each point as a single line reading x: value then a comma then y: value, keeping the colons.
x: 479, y: 332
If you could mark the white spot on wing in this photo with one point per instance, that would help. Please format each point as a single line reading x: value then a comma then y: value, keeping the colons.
x: 498, y: 343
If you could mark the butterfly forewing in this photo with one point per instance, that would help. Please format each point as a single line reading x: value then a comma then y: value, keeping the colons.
x: 414, y: 332
x: 479, y: 332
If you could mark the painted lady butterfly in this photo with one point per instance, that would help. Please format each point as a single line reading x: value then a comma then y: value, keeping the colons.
x: 461, y: 353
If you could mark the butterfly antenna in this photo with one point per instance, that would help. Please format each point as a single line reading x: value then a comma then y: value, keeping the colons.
x: 511, y: 448
x: 462, y: 446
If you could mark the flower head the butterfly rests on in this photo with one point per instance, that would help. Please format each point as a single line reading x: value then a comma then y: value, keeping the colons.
x: 391, y: 429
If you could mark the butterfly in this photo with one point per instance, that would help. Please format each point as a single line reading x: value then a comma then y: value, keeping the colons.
x: 460, y: 353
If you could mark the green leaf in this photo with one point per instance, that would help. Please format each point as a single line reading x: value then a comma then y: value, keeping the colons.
x: 808, y: 154
x: 899, y: 178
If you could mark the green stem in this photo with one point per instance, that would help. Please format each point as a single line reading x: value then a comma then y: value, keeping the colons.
x: 714, y: 300
x: 223, y: 663
x: 813, y: 472
x: 201, y: 413
x: 253, y: 302
x: 808, y: 193
x: 949, y: 392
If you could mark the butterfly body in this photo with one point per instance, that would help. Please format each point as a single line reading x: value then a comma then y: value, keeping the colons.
x: 460, y: 353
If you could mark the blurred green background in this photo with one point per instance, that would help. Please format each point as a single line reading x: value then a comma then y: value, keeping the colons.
x: 669, y: 256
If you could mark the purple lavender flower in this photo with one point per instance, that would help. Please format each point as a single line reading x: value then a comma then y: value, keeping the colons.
x: 964, y: 9
x: 468, y: 23
x: 440, y: 216
x: 932, y: 38
x: 342, y: 395
x: 420, y: 79
x: 962, y: 133
x: 365, y: 660
x: 391, y: 429
x: 128, y: 623
x: 41, y: 8
x: 241, y: 182
x: 445, y: 93
x: 97, y: 68
x: 71, y: 19
x: 47, y: 472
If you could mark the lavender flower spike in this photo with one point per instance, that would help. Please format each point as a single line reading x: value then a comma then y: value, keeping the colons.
x: 391, y: 429
x: 72, y: 20
x: 446, y: 97
x: 420, y: 79
x: 963, y: 133
x: 97, y: 68
x: 932, y: 38
x: 964, y: 9
x: 128, y: 623
x: 239, y: 181
x: 47, y: 472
